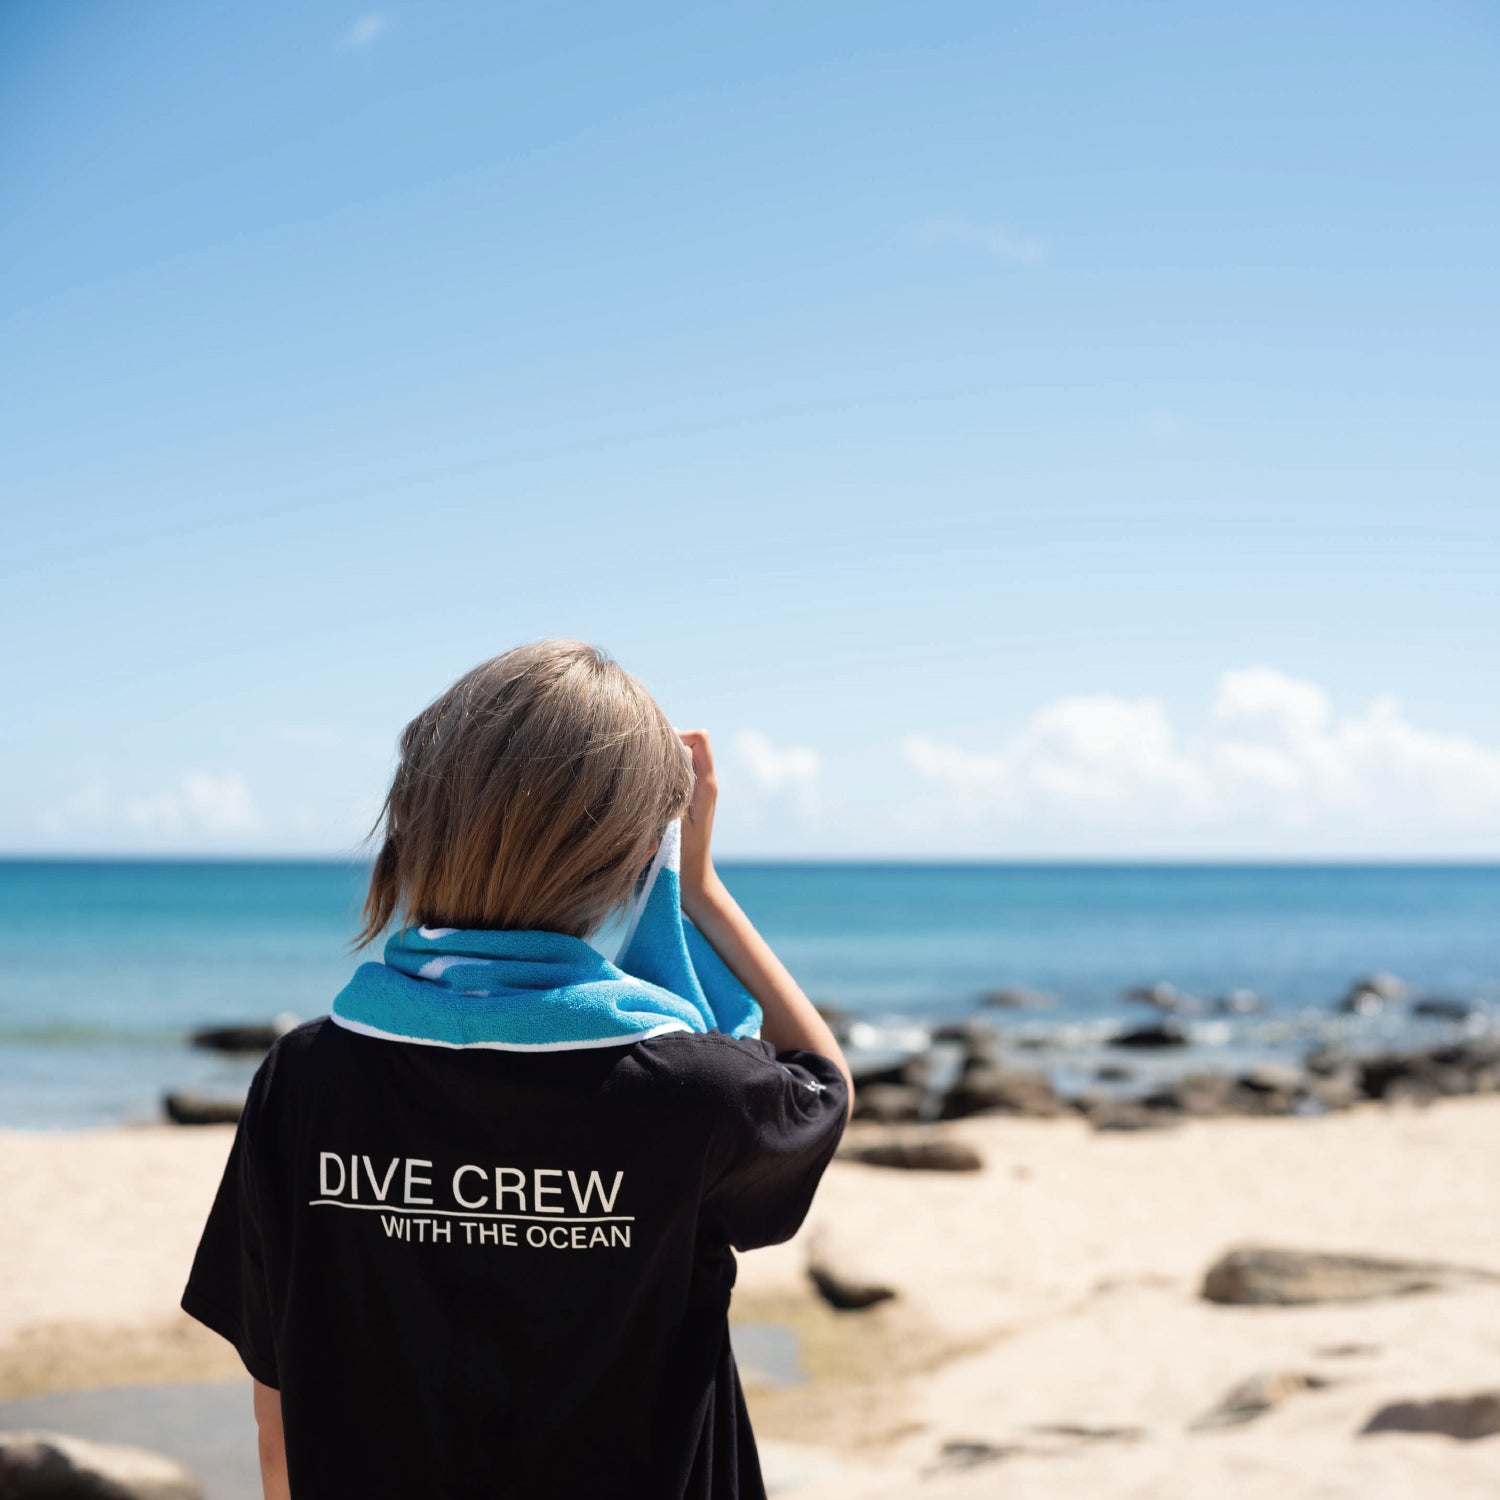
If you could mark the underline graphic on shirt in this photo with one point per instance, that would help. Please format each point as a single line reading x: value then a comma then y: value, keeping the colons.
x: 473, y: 1213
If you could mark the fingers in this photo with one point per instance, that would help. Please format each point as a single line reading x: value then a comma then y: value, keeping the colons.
x: 701, y: 750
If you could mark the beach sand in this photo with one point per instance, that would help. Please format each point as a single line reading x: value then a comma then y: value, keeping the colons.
x: 1047, y: 1306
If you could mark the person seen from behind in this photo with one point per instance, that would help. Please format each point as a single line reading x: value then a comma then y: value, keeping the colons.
x: 475, y: 1236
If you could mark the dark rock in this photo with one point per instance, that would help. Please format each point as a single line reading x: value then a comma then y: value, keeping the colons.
x: 1274, y: 1078
x: 1326, y: 1060
x: 839, y: 1020
x: 912, y: 1155
x: 1413, y: 1075
x: 1387, y: 986
x: 885, y: 1065
x: 1370, y: 996
x: 1088, y: 1433
x: 982, y: 1051
x: 1472, y: 1053
x: 55, y: 1466
x: 1202, y: 1094
x: 1130, y: 1114
x: 843, y: 1292
x: 960, y: 1453
x: 1435, y: 1008
x: 987, y: 1088
x: 916, y: 1071
x: 1253, y: 1397
x: 1254, y: 1275
x: 1411, y: 1092
x: 971, y: 1032
x: 1167, y: 1034
x: 888, y: 1102
x: 252, y: 1036
x: 1463, y: 1417
x: 1163, y: 996
x: 1334, y: 1090
x: 195, y: 1109
x: 1212, y: 1095
x: 1014, y: 997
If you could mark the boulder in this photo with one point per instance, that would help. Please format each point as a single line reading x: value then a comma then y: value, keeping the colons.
x: 1015, y: 997
x: 198, y: 1109
x: 1256, y: 1275
x: 1129, y: 1114
x: 888, y: 1065
x: 1463, y: 1417
x: 1339, y: 1090
x: 966, y: 1453
x: 990, y: 1088
x: 1387, y: 986
x: 1202, y: 1094
x: 838, y: 1019
x: 1274, y: 1078
x: 918, y: 1155
x: 1394, y: 1076
x: 1166, y: 1034
x: 1162, y: 995
x: 971, y: 1032
x: 1253, y: 1397
x: 844, y: 1292
x: 1370, y: 995
x: 888, y: 1102
x: 1438, y: 1008
x: 251, y: 1036
x: 55, y: 1466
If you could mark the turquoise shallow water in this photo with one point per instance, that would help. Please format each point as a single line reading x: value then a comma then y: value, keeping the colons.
x: 111, y: 963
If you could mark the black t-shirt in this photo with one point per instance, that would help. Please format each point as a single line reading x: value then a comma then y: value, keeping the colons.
x: 487, y: 1273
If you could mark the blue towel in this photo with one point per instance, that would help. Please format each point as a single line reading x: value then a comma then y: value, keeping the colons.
x: 537, y: 991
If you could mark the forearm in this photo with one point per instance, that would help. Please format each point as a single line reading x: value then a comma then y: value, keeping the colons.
x: 790, y: 1018
x: 273, y: 1478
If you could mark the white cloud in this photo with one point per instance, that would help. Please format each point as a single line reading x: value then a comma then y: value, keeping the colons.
x: 199, y: 803
x: 1272, y: 756
x: 365, y: 32
x: 993, y: 239
x: 792, y: 773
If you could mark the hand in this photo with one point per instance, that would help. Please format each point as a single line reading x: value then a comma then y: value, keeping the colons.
x: 697, y: 867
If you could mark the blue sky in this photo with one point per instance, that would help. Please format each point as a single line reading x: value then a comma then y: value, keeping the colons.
x: 1011, y: 430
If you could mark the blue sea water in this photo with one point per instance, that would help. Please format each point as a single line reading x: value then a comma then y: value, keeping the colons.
x: 110, y: 964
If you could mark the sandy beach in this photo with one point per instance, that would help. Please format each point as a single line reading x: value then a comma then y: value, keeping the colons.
x: 1047, y: 1335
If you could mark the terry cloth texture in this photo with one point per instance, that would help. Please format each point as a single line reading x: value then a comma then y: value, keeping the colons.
x: 533, y: 990
x: 495, y: 1255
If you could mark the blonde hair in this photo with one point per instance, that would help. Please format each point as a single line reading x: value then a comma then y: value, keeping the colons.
x: 528, y: 796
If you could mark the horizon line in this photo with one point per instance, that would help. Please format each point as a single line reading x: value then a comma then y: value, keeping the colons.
x: 149, y: 857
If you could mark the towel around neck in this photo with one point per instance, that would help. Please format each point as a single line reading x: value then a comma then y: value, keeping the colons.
x: 532, y: 990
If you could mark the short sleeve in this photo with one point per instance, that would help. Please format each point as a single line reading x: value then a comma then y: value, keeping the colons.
x: 227, y: 1287
x: 779, y: 1133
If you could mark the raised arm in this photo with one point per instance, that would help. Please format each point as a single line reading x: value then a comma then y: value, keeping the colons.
x: 791, y: 1019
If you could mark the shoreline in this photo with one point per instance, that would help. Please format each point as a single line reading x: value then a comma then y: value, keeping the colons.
x: 1047, y: 1317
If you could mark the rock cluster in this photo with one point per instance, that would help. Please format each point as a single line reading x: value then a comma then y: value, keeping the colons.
x: 55, y: 1466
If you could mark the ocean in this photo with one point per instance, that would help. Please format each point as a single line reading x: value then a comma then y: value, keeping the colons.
x: 114, y: 962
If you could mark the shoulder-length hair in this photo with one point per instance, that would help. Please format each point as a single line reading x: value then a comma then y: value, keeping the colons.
x: 528, y: 796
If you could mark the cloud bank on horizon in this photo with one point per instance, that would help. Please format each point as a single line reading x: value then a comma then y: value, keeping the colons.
x: 1274, y: 768
x: 1274, y: 761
